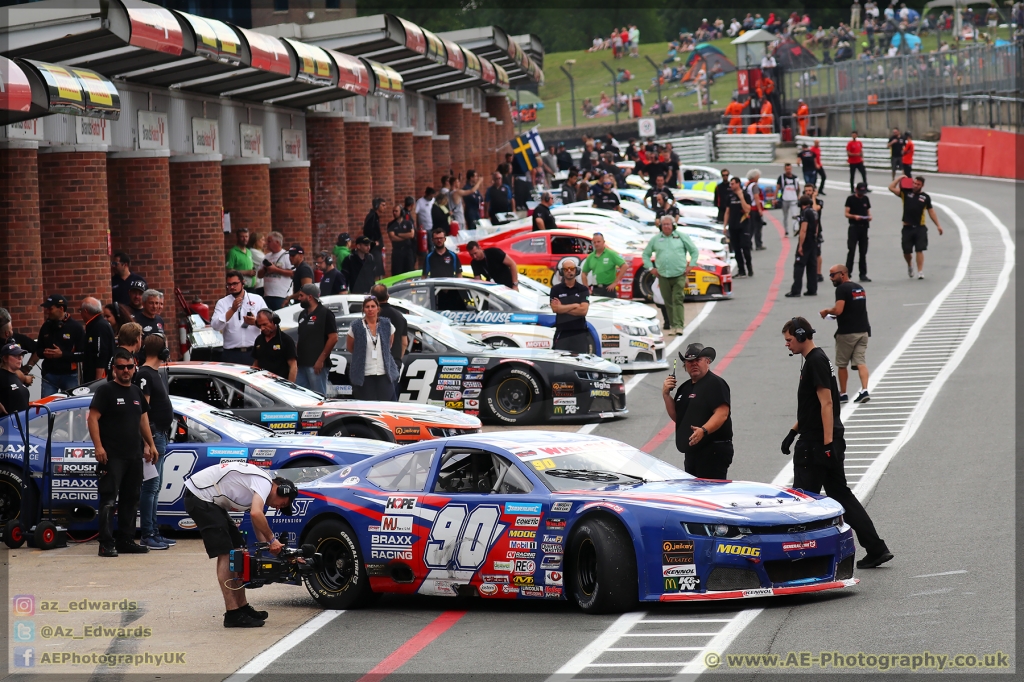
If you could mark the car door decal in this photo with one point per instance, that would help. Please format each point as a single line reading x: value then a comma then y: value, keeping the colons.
x: 177, y: 466
x: 418, y: 380
x: 459, y: 543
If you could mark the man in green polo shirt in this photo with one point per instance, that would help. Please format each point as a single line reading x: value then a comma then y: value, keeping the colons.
x: 240, y: 257
x: 676, y: 254
x: 608, y: 267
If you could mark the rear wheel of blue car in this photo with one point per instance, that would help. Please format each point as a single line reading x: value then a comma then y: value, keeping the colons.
x: 601, y: 567
x: 341, y: 583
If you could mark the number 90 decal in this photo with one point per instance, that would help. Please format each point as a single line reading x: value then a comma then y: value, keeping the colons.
x: 462, y: 543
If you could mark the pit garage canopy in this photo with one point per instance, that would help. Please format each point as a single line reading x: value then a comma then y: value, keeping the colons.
x: 492, y: 43
x: 32, y: 89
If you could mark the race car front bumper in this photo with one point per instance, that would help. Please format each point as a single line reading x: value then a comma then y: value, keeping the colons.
x: 759, y: 592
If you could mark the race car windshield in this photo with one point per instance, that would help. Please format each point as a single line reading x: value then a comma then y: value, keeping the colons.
x: 593, y: 466
x: 284, y: 390
x: 235, y: 427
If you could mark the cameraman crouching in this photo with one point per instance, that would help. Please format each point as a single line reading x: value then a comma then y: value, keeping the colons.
x: 236, y: 486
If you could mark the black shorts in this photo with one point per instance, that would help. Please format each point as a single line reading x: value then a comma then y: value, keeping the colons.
x: 220, y: 534
x: 915, y: 237
x: 897, y: 164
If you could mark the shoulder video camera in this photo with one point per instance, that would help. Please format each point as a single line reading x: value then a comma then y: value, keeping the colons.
x: 261, y: 568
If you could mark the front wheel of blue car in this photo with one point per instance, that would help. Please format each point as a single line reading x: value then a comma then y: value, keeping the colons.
x: 341, y: 582
x: 601, y: 567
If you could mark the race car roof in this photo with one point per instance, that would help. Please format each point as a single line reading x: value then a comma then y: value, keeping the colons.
x: 538, y: 438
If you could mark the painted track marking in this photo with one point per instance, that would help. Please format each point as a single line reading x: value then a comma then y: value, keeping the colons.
x: 413, y: 646
x: 261, y: 662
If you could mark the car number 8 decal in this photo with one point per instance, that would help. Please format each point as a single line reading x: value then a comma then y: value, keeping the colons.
x: 460, y: 541
x: 176, y: 465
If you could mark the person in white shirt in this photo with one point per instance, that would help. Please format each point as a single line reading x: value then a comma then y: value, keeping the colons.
x: 234, y: 317
x: 276, y: 272
x: 235, y: 486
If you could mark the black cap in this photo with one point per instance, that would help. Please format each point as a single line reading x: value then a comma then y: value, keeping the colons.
x: 137, y: 284
x: 343, y: 237
x: 697, y: 350
x: 12, y: 349
x: 862, y: 186
x: 296, y: 248
x: 54, y: 299
x: 362, y: 239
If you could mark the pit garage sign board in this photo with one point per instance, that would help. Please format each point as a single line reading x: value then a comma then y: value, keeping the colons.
x: 252, y: 140
x: 645, y: 127
x: 205, y: 136
x: 152, y: 130
x: 291, y: 144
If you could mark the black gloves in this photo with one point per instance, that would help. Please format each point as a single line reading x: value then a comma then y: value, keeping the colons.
x: 787, y: 442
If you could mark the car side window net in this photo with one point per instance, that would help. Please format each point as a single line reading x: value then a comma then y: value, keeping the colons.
x: 407, y: 472
x: 467, y: 470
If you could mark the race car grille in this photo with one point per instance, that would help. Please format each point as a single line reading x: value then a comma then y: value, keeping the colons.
x: 442, y: 432
x: 723, y: 578
x: 659, y: 353
x: 645, y: 357
x: 844, y: 570
x: 708, y: 529
x: 786, y: 570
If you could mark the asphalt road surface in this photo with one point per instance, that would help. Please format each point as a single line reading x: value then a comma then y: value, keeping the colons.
x: 933, y: 460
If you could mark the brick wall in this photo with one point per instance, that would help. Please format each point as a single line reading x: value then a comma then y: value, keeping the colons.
x: 21, y: 278
x: 497, y: 106
x: 358, y: 171
x: 325, y: 140
x: 139, y: 205
x: 403, y: 164
x: 73, y: 225
x: 494, y: 133
x: 245, y: 188
x: 481, y: 138
x: 196, y: 204
x: 289, y: 205
x: 423, y: 162
x: 442, y: 158
x: 382, y: 162
x: 450, y: 122
x: 471, y: 133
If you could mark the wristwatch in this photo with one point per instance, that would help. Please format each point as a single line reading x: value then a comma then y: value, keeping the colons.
x: 705, y: 431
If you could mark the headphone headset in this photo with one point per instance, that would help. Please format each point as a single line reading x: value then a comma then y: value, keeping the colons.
x: 271, y: 314
x: 164, y: 354
x: 328, y: 258
x: 801, y: 334
x: 286, y: 488
x: 568, y: 261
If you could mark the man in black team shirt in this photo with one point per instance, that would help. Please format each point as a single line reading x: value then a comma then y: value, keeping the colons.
x: 858, y: 212
x: 60, y: 337
x: 13, y: 393
x: 302, y: 274
x: 896, y: 149
x: 273, y: 350
x: 808, y: 164
x: 659, y: 199
x: 606, y: 198
x: 851, y: 314
x: 703, y: 415
x: 441, y: 262
x: 493, y: 264
x: 806, y: 250
x: 570, y: 188
x: 149, y: 317
x: 915, y: 232
x: 542, y: 218
x: 358, y: 267
x: 570, y: 301
x: 161, y: 414
x: 722, y: 192
x: 819, y: 454
x: 98, y: 346
x: 118, y: 426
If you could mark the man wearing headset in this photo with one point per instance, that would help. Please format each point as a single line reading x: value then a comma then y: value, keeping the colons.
x: 819, y: 454
x: 235, y: 486
x: 332, y: 281
x: 570, y: 301
x: 234, y: 317
x: 273, y: 350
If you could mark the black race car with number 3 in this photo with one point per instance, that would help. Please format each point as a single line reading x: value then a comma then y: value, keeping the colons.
x: 450, y: 369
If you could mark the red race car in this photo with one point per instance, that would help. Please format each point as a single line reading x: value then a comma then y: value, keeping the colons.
x: 537, y: 254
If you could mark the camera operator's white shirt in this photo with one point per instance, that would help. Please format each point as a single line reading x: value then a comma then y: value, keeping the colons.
x: 231, y: 485
x: 236, y: 333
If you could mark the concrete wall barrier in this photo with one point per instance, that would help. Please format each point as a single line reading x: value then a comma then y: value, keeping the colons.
x: 981, y: 151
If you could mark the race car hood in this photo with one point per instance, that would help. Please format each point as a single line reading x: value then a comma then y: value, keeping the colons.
x: 589, y: 362
x: 413, y: 411
x: 619, y: 307
x: 359, y: 446
x: 703, y: 500
x: 511, y: 329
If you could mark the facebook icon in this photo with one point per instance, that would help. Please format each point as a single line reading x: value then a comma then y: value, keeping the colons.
x: 24, y: 657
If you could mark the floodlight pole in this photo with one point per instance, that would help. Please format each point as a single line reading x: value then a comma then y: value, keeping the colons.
x: 615, y: 89
x: 657, y: 80
x: 572, y: 93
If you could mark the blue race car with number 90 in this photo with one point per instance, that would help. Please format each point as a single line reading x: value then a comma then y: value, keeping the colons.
x: 544, y: 515
x: 201, y: 436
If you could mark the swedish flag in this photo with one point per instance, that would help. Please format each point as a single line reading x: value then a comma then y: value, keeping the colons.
x: 524, y: 160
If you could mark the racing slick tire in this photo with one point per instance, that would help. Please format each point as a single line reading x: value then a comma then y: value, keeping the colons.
x: 342, y: 582
x: 358, y: 431
x: 513, y: 396
x: 644, y: 281
x: 601, y: 567
x: 11, y: 486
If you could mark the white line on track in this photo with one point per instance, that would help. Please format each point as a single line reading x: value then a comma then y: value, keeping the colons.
x: 261, y: 662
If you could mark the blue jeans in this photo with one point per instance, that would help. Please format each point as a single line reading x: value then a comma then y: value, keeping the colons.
x: 810, y: 177
x: 308, y: 378
x: 151, y: 491
x: 274, y: 302
x: 58, y: 382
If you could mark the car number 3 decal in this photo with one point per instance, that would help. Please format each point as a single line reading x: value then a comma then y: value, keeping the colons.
x: 462, y: 543
x: 419, y: 377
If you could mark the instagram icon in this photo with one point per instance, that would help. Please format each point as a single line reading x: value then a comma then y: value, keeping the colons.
x: 24, y: 604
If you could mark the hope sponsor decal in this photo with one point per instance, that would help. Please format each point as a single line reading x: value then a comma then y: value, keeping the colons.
x: 505, y: 566
x: 564, y: 401
x: 490, y: 578
x: 739, y: 550
x: 401, y: 505
x: 554, y: 524
x: 227, y: 452
x: 533, y: 508
x: 551, y: 561
x: 561, y: 506
x: 528, y: 522
x: 525, y: 534
x: 488, y: 589
x: 391, y: 546
x: 443, y: 360
x: 77, y: 453
x: 682, y: 584
x: 796, y: 546
x: 521, y: 544
x: 396, y: 524
x: 552, y: 577
x: 550, y: 548
x: 760, y: 592
x: 522, y: 580
x: 678, y: 571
